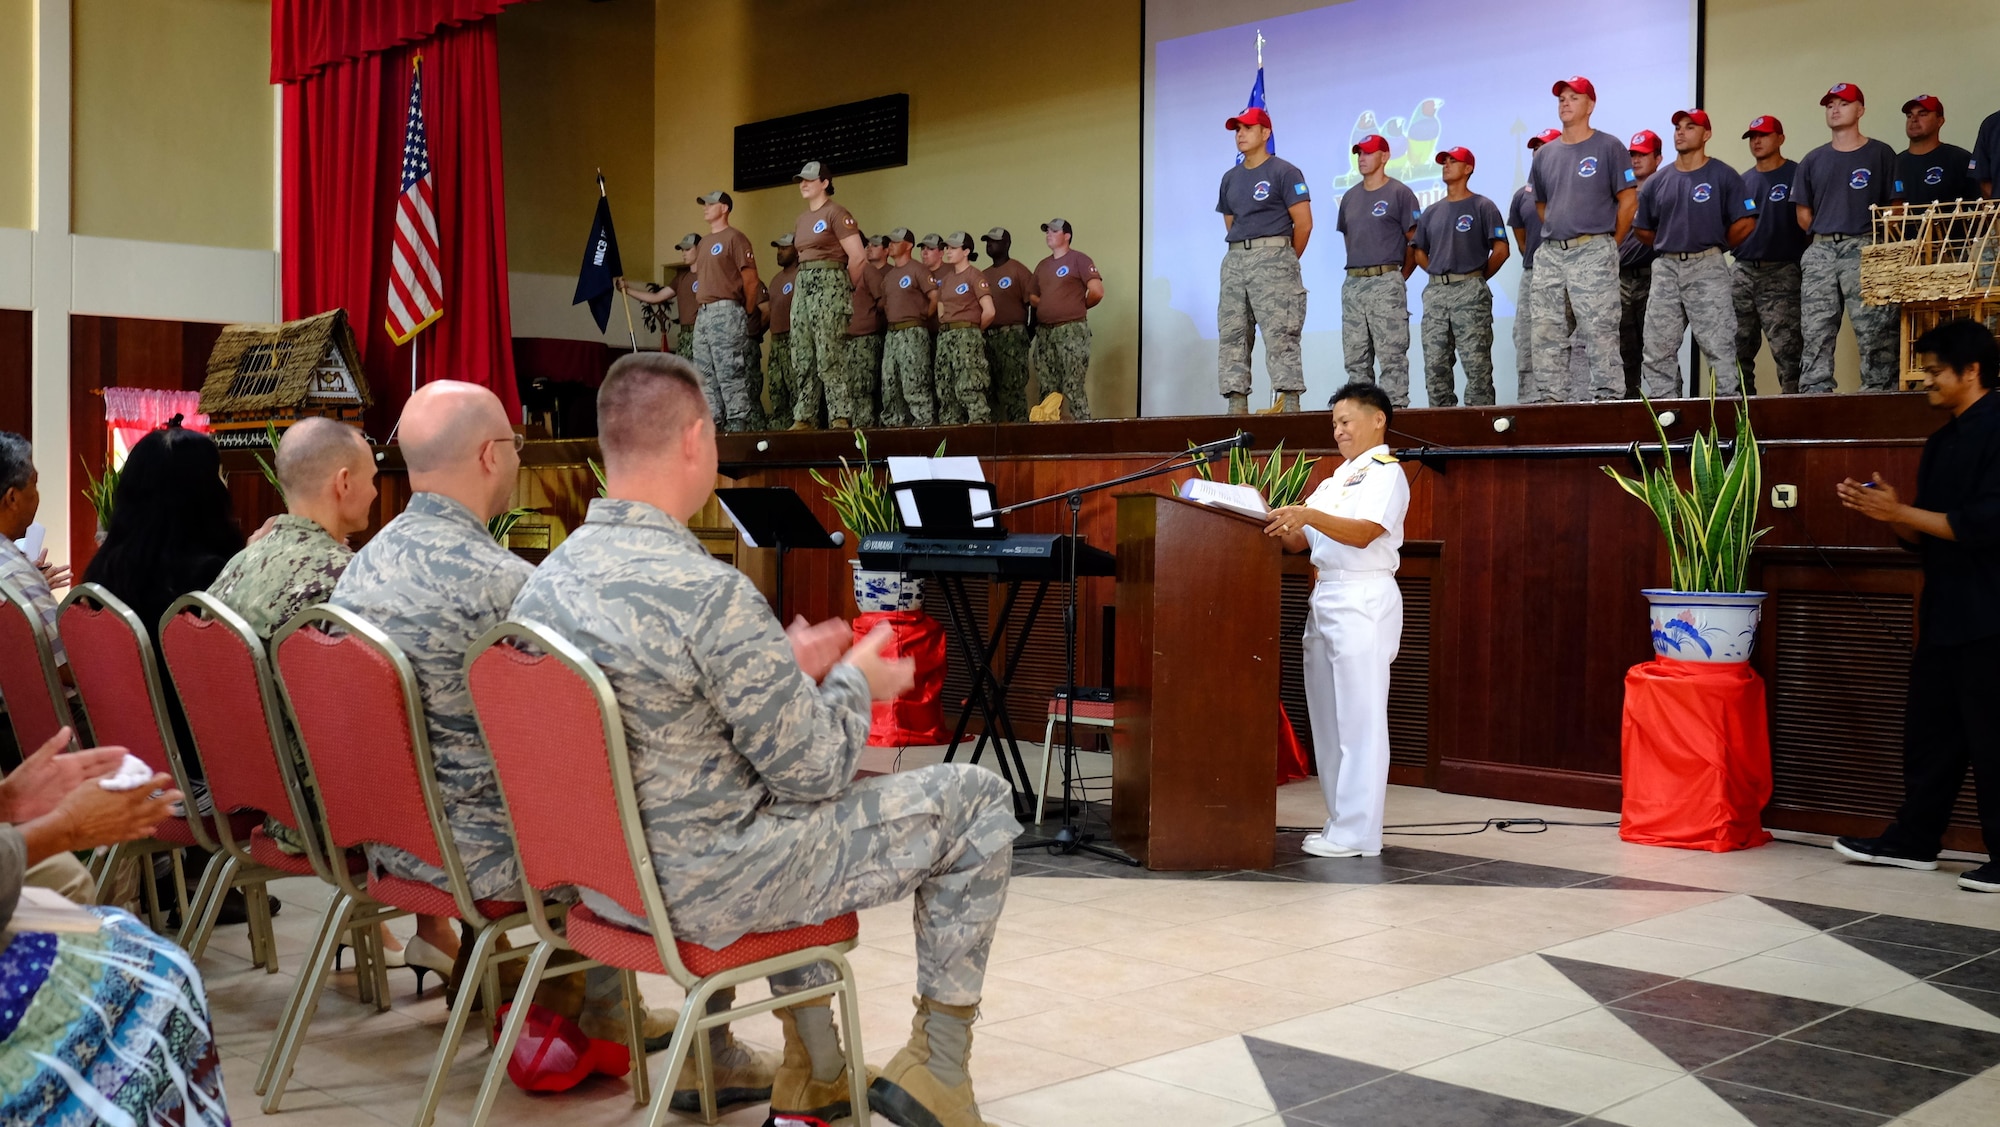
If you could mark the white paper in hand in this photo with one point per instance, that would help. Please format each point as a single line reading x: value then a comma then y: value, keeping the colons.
x: 31, y: 544
x: 131, y: 775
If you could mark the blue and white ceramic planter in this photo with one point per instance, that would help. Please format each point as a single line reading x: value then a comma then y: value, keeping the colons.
x: 885, y: 590
x: 1710, y: 626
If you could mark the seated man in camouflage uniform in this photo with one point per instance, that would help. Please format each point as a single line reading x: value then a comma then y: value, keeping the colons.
x: 434, y: 579
x: 745, y: 765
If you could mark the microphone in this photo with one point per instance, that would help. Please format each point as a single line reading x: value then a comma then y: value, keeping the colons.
x: 838, y: 538
x: 1244, y: 439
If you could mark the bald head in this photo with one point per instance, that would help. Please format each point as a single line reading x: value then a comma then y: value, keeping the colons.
x: 646, y: 405
x: 315, y: 449
x: 445, y: 424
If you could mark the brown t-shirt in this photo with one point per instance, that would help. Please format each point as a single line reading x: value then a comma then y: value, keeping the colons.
x: 1011, y: 283
x: 781, y: 299
x: 817, y: 234
x: 959, y: 293
x: 687, y: 295
x: 906, y: 292
x: 719, y: 262
x: 866, y: 319
x: 1061, y: 283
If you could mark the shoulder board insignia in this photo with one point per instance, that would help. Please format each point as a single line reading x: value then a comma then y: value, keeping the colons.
x: 1386, y: 459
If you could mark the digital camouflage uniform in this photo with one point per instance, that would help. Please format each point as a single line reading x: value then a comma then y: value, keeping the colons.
x: 1577, y: 286
x: 1527, y: 388
x: 722, y: 352
x: 434, y: 580
x: 1697, y: 293
x: 962, y: 377
x: 1261, y: 288
x: 745, y: 769
x: 906, y: 363
x: 1061, y: 356
x: 1007, y: 365
x: 1458, y: 317
x: 821, y: 307
x: 1635, y: 286
x: 863, y: 365
x: 1830, y: 279
x: 1767, y: 306
x: 778, y: 377
x: 1375, y: 326
x: 684, y: 342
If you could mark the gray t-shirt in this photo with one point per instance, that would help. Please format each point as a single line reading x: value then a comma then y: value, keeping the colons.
x: 1777, y: 236
x: 1261, y: 198
x: 1521, y: 215
x: 1944, y: 173
x: 1840, y: 187
x: 1580, y: 184
x: 1377, y: 224
x: 1692, y: 211
x: 1457, y: 235
x: 1986, y: 150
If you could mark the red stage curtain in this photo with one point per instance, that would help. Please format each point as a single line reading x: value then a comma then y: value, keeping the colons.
x: 309, y: 34
x: 343, y: 143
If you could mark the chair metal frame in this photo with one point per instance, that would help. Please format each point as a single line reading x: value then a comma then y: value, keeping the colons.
x: 695, y: 1018
x: 13, y: 601
x: 483, y: 963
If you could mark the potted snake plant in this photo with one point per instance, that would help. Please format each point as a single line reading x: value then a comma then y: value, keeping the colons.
x: 1710, y: 526
x: 1277, y: 483
x: 860, y: 495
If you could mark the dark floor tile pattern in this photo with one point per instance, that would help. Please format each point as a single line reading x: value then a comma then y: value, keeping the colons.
x: 1864, y: 1083
x: 1775, y: 1109
x: 1314, y: 1089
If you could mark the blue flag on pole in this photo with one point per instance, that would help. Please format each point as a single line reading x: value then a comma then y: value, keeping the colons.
x: 601, y: 265
x: 1257, y: 102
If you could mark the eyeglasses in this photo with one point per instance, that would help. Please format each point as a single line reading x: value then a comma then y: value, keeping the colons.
x: 519, y: 441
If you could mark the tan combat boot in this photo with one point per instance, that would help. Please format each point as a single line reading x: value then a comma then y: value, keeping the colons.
x: 839, y: 424
x: 926, y: 1083
x: 1239, y: 403
x: 1049, y: 410
x: 743, y: 1075
x: 1287, y: 404
x: 606, y: 1022
x: 800, y: 425
x: 796, y: 1090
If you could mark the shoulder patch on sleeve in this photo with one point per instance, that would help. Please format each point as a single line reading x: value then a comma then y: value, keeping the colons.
x: 1386, y: 459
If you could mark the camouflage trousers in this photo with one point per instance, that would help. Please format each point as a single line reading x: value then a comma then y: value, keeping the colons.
x: 1697, y: 293
x: 1767, y: 307
x: 485, y: 844
x: 944, y: 833
x: 1577, y: 286
x: 1062, y: 361
x: 1458, y: 318
x: 1525, y: 387
x: 906, y: 364
x: 822, y: 302
x: 863, y: 365
x: 1007, y: 362
x: 722, y: 352
x: 1830, y: 279
x: 1261, y: 287
x: 778, y: 377
x: 1635, y: 284
x: 1375, y: 325
x: 684, y: 342
x: 962, y: 377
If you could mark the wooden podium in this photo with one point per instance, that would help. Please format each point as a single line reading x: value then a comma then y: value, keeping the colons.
x: 1195, y: 759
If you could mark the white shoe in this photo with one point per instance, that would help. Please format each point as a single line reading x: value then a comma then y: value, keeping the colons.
x: 1319, y: 846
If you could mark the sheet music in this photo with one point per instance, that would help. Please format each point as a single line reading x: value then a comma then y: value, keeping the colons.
x: 937, y: 469
x: 749, y: 541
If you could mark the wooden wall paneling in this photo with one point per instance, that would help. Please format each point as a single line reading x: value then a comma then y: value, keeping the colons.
x: 17, y: 382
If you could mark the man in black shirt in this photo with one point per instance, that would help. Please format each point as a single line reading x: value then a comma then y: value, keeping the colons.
x: 1952, y: 717
x: 1930, y: 169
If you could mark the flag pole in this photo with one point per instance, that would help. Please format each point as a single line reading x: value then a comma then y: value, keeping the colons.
x: 624, y: 299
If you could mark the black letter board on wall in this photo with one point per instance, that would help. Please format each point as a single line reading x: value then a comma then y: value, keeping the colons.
x: 855, y: 137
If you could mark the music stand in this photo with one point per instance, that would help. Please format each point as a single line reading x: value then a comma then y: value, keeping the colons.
x: 776, y: 517
x: 944, y: 507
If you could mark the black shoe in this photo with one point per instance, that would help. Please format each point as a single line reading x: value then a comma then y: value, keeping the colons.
x: 1882, y: 851
x: 236, y: 909
x: 1985, y: 878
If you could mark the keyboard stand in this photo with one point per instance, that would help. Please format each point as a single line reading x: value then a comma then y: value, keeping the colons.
x: 988, y: 695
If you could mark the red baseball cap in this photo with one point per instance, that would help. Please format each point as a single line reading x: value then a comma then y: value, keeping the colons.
x: 1255, y: 115
x: 1846, y: 92
x: 1928, y: 101
x: 1763, y: 123
x: 1578, y: 83
x: 1460, y: 154
x: 1543, y: 138
x: 1699, y: 117
x: 1373, y: 143
x: 1644, y: 141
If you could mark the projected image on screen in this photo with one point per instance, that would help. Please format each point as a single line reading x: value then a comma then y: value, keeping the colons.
x: 1426, y: 75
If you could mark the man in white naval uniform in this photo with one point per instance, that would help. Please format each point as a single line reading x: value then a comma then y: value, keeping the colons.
x: 1353, y: 525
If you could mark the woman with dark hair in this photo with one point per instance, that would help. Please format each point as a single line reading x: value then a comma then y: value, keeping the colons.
x: 172, y: 528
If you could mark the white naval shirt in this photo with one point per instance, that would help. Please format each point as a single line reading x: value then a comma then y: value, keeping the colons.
x: 1370, y: 487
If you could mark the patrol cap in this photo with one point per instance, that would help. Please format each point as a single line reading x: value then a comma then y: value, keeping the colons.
x: 1543, y: 138
x: 958, y: 240
x: 1699, y: 117
x: 931, y: 242
x: 901, y: 235
x: 1763, y: 124
x: 1578, y: 83
x: 716, y: 197
x: 1059, y: 225
x: 876, y: 241
x: 1255, y: 115
x: 783, y: 240
x: 687, y: 242
x: 1460, y: 153
x: 1927, y: 101
x: 1373, y: 143
x: 998, y: 235
x: 1844, y: 91
x: 1644, y: 141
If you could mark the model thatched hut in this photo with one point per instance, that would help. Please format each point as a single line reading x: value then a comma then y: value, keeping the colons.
x: 275, y: 375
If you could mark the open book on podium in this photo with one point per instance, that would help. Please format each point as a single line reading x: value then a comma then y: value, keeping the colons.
x: 1240, y: 499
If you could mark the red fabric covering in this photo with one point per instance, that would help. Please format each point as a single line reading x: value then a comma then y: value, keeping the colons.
x: 554, y: 1054
x: 343, y: 141
x: 565, y: 361
x: 622, y: 947
x: 1292, y: 763
x: 916, y: 717
x: 1697, y: 751
x: 306, y: 35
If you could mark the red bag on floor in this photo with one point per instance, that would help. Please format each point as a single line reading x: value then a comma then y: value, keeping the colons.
x: 1697, y: 756
x: 1292, y: 763
x: 916, y: 717
x: 554, y: 1054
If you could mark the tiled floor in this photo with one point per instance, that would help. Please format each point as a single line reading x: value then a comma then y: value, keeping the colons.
x: 1559, y: 977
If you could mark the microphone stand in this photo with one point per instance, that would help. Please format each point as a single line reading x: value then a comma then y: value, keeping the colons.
x: 1070, y: 839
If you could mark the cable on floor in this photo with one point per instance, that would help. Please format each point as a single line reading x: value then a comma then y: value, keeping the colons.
x: 1502, y: 825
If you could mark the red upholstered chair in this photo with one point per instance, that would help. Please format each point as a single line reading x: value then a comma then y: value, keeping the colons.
x: 224, y: 681
x: 359, y: 716
x: 30, y: 687
x: 558, y: 745
x: 1088, y: 714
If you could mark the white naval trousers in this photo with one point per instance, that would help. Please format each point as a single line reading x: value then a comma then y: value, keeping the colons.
x: 1352, y: 635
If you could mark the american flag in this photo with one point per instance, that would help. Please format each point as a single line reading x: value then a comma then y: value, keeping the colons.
x: 416, y: 290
